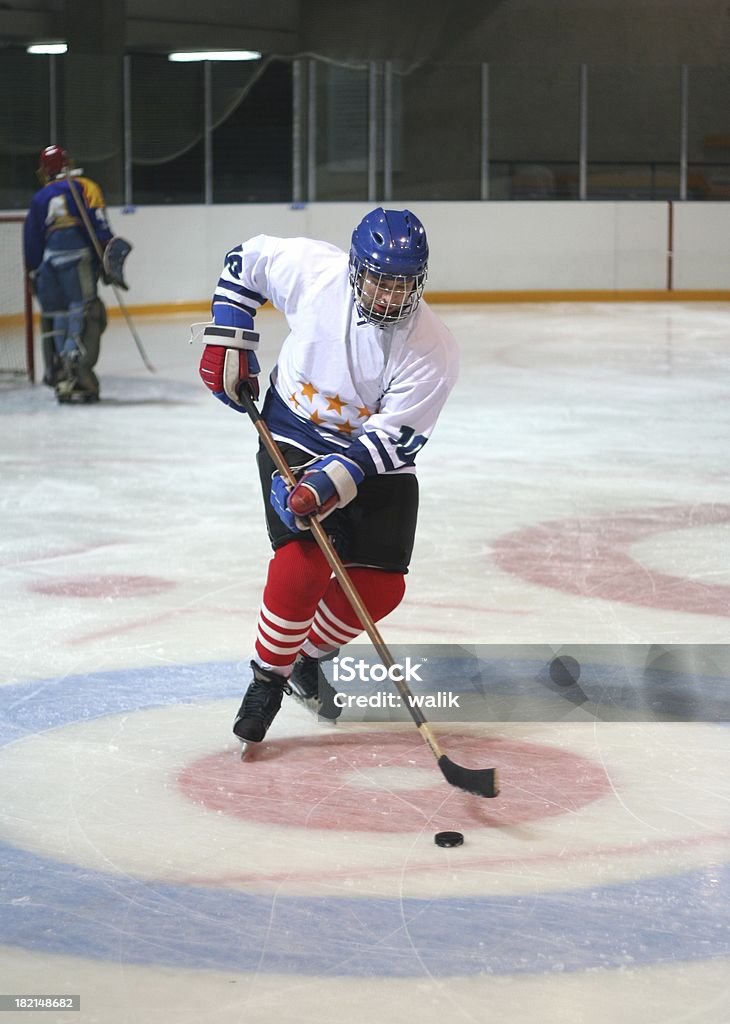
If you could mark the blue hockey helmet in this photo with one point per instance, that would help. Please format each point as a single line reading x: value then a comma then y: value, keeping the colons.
x: 388, y: 265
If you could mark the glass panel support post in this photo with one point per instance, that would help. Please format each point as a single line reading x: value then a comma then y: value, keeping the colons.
x: 583, y: 133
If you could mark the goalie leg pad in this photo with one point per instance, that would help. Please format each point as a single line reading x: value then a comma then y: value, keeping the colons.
x: 51, y: 359
x: 94, y: 326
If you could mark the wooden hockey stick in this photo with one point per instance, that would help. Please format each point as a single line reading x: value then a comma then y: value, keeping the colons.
x: 480, y: 782
x: 95, y: 242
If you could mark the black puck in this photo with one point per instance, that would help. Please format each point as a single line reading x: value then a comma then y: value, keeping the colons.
x: 564, y: 670
x: 448, y: 838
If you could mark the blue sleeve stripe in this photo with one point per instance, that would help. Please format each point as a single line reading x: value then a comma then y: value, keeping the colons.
x: 261, y: 299
x: 380, y: 447
x: 361, y: 456
x: 367, y: 442
x: 239, y: 289
x: 220, y: 296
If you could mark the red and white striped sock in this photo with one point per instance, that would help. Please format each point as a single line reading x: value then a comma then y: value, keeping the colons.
x: 335, y: 622
x: 297, y: 577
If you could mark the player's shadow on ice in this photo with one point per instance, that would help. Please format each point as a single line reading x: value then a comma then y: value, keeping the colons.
x: 142, y: 401
x: 150, y: 390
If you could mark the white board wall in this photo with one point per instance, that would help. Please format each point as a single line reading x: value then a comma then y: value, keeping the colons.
x: 702, y: 245
x: 475, y: 247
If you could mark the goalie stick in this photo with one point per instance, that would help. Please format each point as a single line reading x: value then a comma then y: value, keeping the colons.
x: 479, y: 781
x: 95, y: 242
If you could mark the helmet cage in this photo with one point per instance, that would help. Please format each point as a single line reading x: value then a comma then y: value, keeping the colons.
x: 382, y: 298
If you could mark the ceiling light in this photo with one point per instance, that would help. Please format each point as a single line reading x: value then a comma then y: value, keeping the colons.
x: 47, y: 48
x: 215, y: 55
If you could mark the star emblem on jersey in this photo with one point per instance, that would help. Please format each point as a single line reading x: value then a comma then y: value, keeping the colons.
x: 335, y: 402
x: 319, y: 408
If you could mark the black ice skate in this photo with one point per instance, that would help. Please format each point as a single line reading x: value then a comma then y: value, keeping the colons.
x: 310, y: 687
x: 260, y: 705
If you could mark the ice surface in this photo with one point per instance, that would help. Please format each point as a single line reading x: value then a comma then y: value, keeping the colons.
x: 575, y: 492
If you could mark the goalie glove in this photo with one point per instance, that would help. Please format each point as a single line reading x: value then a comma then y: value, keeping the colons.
x: 115, y: 253
x: 229, y: 358
x: 328, y: 483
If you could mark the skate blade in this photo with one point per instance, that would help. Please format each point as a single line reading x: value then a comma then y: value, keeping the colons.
x: 248, y: 749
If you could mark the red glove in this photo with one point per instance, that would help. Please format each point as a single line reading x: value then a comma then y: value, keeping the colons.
x: 226, y: 370
x: 329, y: 482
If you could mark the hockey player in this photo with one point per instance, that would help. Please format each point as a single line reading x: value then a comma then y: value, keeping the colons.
x: 62, y: 261
x: 356, y: 392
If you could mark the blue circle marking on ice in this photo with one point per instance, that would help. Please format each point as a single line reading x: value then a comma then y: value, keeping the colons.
x: 54, y: 907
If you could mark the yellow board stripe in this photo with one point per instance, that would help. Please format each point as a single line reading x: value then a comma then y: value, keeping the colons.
x: 557, y: 295
x: 454, y: 298
x: 584, y: 295
x: 543, y: 295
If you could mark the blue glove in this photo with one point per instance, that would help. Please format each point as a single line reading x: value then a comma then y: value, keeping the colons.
x: 328, y: 483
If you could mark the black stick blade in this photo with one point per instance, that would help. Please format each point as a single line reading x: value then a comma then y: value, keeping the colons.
x: 480, y: 782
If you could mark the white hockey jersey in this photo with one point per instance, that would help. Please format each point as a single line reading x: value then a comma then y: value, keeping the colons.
x: 341, y: 384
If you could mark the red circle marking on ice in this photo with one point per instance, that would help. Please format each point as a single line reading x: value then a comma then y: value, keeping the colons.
x: 102, y: 586
x: 341, y: 783
x: 590, y: 557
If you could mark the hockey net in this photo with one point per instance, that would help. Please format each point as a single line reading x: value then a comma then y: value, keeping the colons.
x: 16, y: 309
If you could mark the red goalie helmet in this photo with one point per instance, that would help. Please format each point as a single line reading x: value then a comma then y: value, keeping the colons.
x: 52, y: 161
